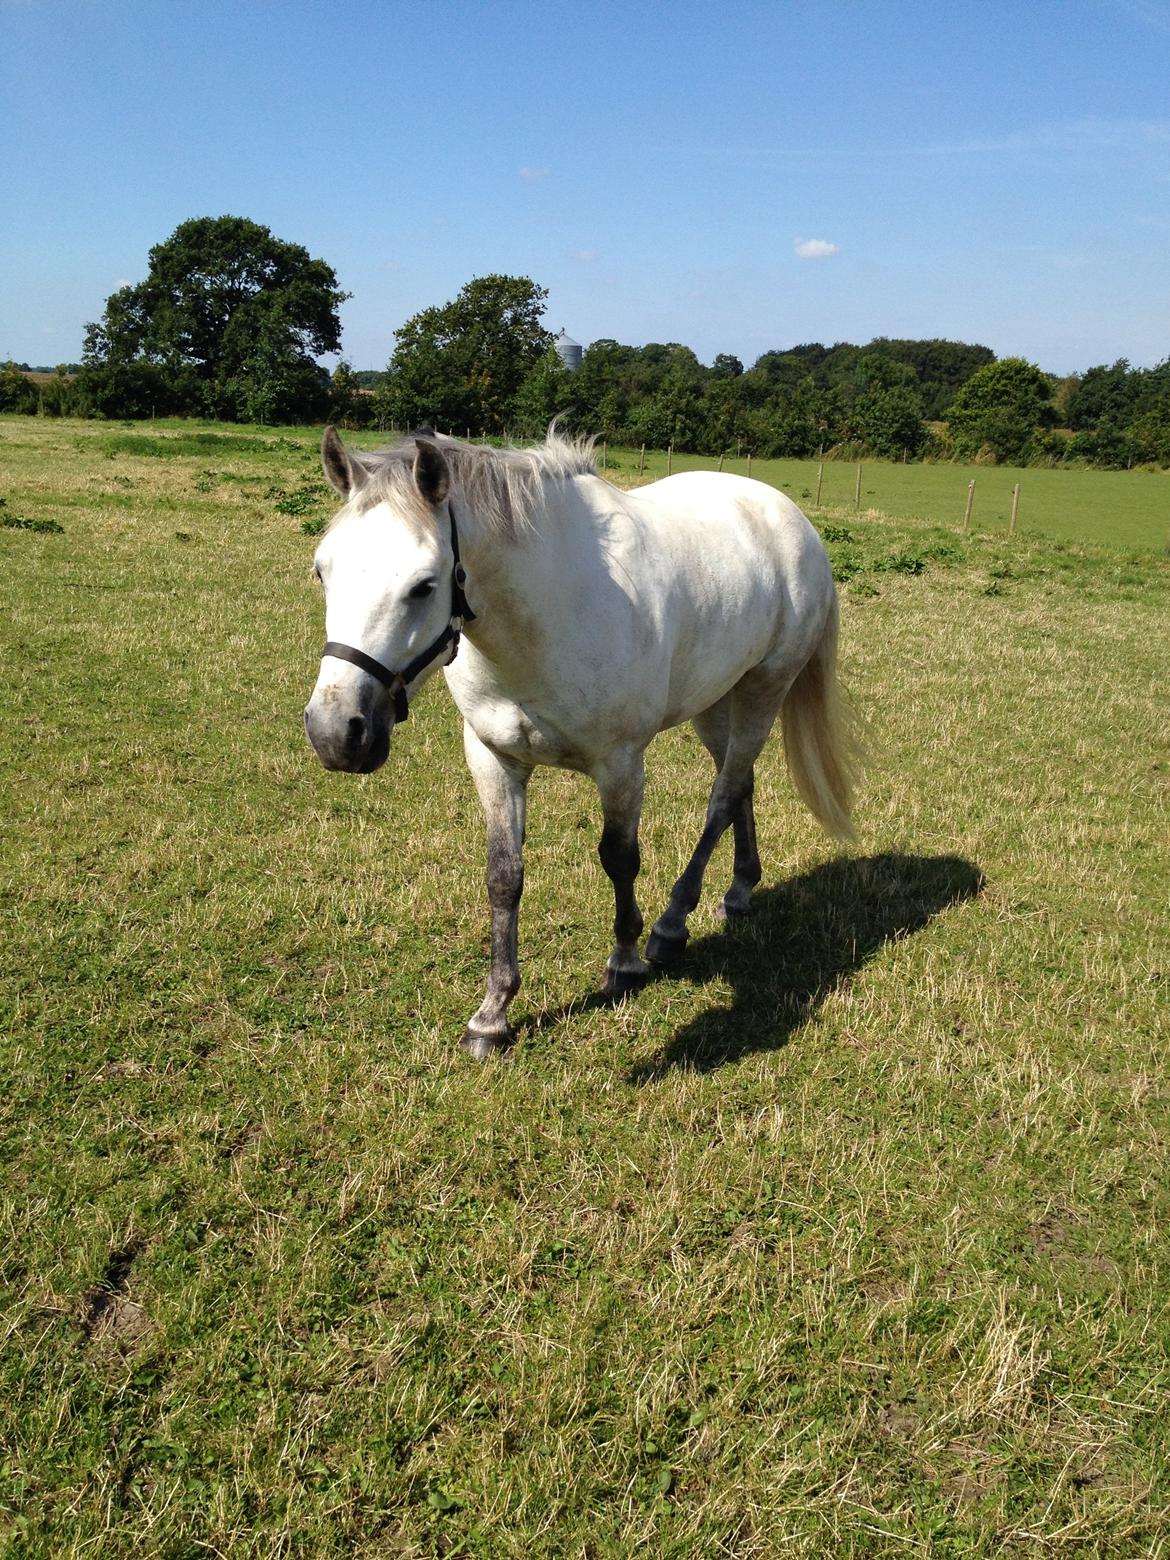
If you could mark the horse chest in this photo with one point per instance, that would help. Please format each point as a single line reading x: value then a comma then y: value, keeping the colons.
x: 527, y: 733
x: 559, y: 718
x: 517, y: 723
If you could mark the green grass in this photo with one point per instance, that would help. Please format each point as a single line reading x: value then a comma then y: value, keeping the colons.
x: 850, y: 1238
x: 1114, y: 508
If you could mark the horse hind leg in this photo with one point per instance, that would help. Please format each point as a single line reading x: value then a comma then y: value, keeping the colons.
x: 620, y: 782
x: 746, y: 871
x: 753, y: 705
x: 714, y: 729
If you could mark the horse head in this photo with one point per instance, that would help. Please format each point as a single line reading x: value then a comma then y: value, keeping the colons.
x: 393, y: 597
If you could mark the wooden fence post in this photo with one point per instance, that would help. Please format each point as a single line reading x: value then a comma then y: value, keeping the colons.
x: 642, y: 461
x: 720, y: 460
x: 669, y: 458
x: 970, y: 501
x: 857, y: 490
x: 749, y: 471
x: 820, y: 475
x: 1015, y: 507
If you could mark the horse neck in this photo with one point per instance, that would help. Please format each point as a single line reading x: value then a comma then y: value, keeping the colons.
x: 510, y: 576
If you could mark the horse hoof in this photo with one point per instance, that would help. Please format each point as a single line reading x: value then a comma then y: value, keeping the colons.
x: 617, y: 985
x: 732, y: 913
x: 477, y: 1043
x: 666, y: 947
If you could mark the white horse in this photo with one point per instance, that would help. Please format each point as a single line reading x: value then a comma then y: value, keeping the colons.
x: 596, y: 618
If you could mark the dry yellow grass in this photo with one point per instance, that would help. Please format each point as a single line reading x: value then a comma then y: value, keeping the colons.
x: 849, y: 1238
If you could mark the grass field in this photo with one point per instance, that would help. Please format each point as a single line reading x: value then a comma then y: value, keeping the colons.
x: 1114, y: 508
x: 849, y: 1238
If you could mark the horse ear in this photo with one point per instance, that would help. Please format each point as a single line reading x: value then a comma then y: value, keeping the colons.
x: 345, y: 474
x: 430, y: 472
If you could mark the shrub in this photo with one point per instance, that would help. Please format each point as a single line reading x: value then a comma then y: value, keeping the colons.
x: 999, y: 410
x: 301, y: 500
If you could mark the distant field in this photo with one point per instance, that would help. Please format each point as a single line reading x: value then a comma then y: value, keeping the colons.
x: 1111, y: 508
x: 849, y: 1238
x: 1116, y: 508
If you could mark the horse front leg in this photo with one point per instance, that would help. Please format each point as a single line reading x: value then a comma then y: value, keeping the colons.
x: 620, y: 781
x: 502, y: 785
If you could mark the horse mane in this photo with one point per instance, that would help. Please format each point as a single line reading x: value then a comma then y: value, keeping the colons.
x: 505, y: 488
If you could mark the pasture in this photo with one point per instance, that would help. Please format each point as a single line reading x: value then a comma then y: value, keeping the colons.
x: 848, y: 1237
x: 1112, y: 508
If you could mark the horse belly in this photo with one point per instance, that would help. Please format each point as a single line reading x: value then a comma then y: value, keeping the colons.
x: 719, y: 638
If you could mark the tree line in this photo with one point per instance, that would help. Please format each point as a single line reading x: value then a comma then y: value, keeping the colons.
x: 231, y: 321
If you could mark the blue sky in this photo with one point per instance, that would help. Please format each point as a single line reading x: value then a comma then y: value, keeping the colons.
x: 737, y: 177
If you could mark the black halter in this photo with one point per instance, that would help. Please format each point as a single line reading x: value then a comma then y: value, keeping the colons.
x: 396, y: 681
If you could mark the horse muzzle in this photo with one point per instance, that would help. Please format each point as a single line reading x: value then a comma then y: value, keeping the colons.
x: 356, y: 743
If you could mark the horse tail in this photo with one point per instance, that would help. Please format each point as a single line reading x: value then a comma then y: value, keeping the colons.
x: 819, y: 740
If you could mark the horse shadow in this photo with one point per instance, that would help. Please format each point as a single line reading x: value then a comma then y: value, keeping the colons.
x: 804, y: 939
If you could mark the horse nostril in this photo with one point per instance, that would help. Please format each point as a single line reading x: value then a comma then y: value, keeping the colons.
x: 355, y: 729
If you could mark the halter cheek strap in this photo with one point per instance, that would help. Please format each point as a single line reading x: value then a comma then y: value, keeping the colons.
x: 396, y: 681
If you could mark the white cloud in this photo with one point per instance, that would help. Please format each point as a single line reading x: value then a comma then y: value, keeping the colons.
x: 585, y: 255
x: 815, y: 248
x: 534, y: 173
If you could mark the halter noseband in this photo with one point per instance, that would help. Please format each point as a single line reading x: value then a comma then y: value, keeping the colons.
x: 396, y: 681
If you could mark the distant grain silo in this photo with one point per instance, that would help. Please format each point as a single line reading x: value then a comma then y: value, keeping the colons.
x: 568, y: 350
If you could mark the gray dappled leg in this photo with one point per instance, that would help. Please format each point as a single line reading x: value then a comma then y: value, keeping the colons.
x: 734, y: 737
x: 502, y: 785
x: 620, y: 783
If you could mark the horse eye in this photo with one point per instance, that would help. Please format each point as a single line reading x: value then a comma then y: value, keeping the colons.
x: 422, y: 589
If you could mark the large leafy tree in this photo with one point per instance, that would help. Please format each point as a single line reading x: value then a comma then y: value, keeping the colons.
x: 940, y: 367
x: 884, y: 410
x: 1001, y: 409
x: 461, y: 365
x: 1104, y: 395
x: 1151, y: 427
x: 349, y: 407
x: 17, y: 391
x: 228, y: 323
x: 547, y: 393
x: 674, y: 412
